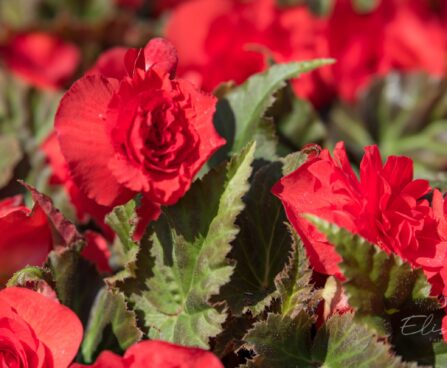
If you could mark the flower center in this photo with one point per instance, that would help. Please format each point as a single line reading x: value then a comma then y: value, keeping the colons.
x: 8, y: 359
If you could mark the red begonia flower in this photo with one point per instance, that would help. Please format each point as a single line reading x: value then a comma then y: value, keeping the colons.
x: 162, y: 5
x: 157, y: 354
x: 234, y: 39
x: 43, y: 60
x: 26, y: 237
x: 385, y: 206
x: 394, y: 36
x: 309, y: 41
x: 440, y: 212
x: 97, y: 251
x: 36, y: 331
x: 147, y: 132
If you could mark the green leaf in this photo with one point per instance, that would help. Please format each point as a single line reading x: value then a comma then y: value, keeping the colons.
x: 230, y: 339
x: 294, y: 282
x: 34, y: 276
x: 281, y: 342
x: 379, y: 286
x: 123, y: 220
x: 18, y: 13
x: 389, y: 295
x: 10, y: 156
x: 301, y: 124
x: 63, y: 267
x: 109, y: 309
x: 26, y: 113
x: 319, y: 7
x: 14, y: 106
x: 266, y: 139
x: 250, y: 101
x: 342, y: 343
x: 239, y: 116
x: 94, y: 11
x: 187, y: 264
x: 262, y: 245
x: 365, y: 6
x: 440, y: 350
x: 294, y: 160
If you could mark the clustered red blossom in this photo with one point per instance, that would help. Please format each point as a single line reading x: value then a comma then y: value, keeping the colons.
x: 385, y: 205
x: 232, y: 39
x: 38, y: 332
x: 129, y: 126
x: 156, y: 354
x: 149, y: 133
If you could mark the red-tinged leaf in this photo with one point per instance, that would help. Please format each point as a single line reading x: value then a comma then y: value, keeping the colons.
x: 65, y: 233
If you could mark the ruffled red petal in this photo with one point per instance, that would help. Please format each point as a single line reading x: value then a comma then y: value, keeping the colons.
x: 84, y: 140
x: 56, y: 326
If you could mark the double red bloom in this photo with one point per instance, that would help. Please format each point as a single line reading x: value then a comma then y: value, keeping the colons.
x: 38, y: 332
x: 157, y: 354
x: 130, y: 127
x: 35, y: 331
x: 386, y: 206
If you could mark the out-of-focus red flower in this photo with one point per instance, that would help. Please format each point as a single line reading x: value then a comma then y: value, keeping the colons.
x: 415, y: 24
x: 233, y: 39
x: 308, y: 41
x: 144, y: 133
x: 392, y: 37
x: 36, y: 331
x: 43, y: 60
x: 97, y: 251
x: 157, y: 354
x: 26, y: 236
x: 168, y: 4
x: 385, y: 206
